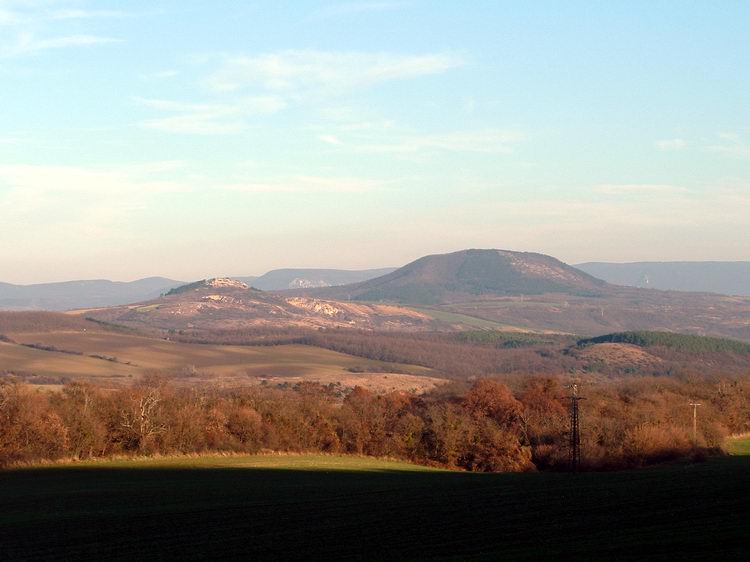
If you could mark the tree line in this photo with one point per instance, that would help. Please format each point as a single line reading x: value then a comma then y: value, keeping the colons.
x: 519, y: 424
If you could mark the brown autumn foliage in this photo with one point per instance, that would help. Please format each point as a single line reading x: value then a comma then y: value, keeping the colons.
x: 484, y: 427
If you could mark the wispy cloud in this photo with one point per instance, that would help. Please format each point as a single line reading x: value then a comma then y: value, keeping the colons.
x: 211, y: 118
x: 270, y: 82
x: 74, y: 14
x: 307, y: 184
x: 731, y: 144
x: 349, y: 8
x: 85, y: 201
x: 489, y: 142
x: 305, y: 71
x: 331, y: 139
x: 397, y: 142
x: 28, y: 44
x: 12, y: 140
x: 25, y: 13
x: 670, y: 144
x: 8, y: 17
x: 160, y: 74
x: 639, y: 188
x: 41, y: 25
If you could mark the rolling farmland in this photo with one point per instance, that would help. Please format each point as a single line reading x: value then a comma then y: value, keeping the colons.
x: 116, y: 359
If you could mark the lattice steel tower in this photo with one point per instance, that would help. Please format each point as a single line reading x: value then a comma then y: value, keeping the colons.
x: 575, y: 430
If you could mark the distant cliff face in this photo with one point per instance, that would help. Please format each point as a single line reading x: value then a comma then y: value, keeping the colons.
x: 284, y: 279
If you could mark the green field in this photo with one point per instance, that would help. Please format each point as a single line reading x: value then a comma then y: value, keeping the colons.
x: 739, y: 446
x: 344, y: 508
x: 455, y: 318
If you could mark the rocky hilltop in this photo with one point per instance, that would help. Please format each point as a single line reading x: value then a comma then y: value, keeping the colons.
x: 228, y: 304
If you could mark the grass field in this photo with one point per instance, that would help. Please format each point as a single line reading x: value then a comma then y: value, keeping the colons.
x: 345, y: 508
x: 739, y: 446
x: 455, y: 318
x: 137, y: 355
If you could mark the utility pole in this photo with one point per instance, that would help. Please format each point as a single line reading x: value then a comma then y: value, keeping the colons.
x: 695, y: 422
x: 575, y: 429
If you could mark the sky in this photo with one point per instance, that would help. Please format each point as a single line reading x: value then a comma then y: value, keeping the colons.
x: 195, y: 139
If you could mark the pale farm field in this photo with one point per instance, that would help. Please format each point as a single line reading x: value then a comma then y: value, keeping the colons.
x: 227, y: 364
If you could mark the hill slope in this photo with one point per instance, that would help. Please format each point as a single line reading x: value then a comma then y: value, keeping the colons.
x: 527, y: 291
x: 81, y: 294
x: 458, y: 275
x: 228, y: 304
x: 728, y: 278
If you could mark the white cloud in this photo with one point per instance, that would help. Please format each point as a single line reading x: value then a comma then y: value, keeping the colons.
x: 29, y: 13
x: 160, y: 74
x: 12, y: 140
x: 40, y: 25
x: 304, y: 71
x: 360, y: 8
x: 406, y: 143
x: 591, y: 227
x: 307, y: 184
x: 331, y: 139
x: 273, y: 81
x: 45, y: 201
x: 212, y: 118
x: 733, y: 145
x: 642, y: 188
x: 671, y: 144
x: 28, y: 44
x: 8, y: 17
x: 72, y: 14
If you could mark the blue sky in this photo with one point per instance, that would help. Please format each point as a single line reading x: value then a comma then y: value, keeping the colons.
x: 193, y: 139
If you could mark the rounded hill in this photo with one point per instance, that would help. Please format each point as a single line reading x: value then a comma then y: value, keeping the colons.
x: 446, y: 277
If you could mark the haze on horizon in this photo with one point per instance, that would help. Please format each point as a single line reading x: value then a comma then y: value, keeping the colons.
x: 195, y: 139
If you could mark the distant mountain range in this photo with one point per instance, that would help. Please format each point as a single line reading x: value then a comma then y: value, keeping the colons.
x: 486, y: 289
x: 281, y: 279
x: 99, y: 293
x: 727, y: 278
x: 81, y: 294
x: 477, y: 288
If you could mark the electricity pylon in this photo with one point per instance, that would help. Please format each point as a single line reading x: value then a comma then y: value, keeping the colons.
x: 695, y: 422
x: 575, y: 430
